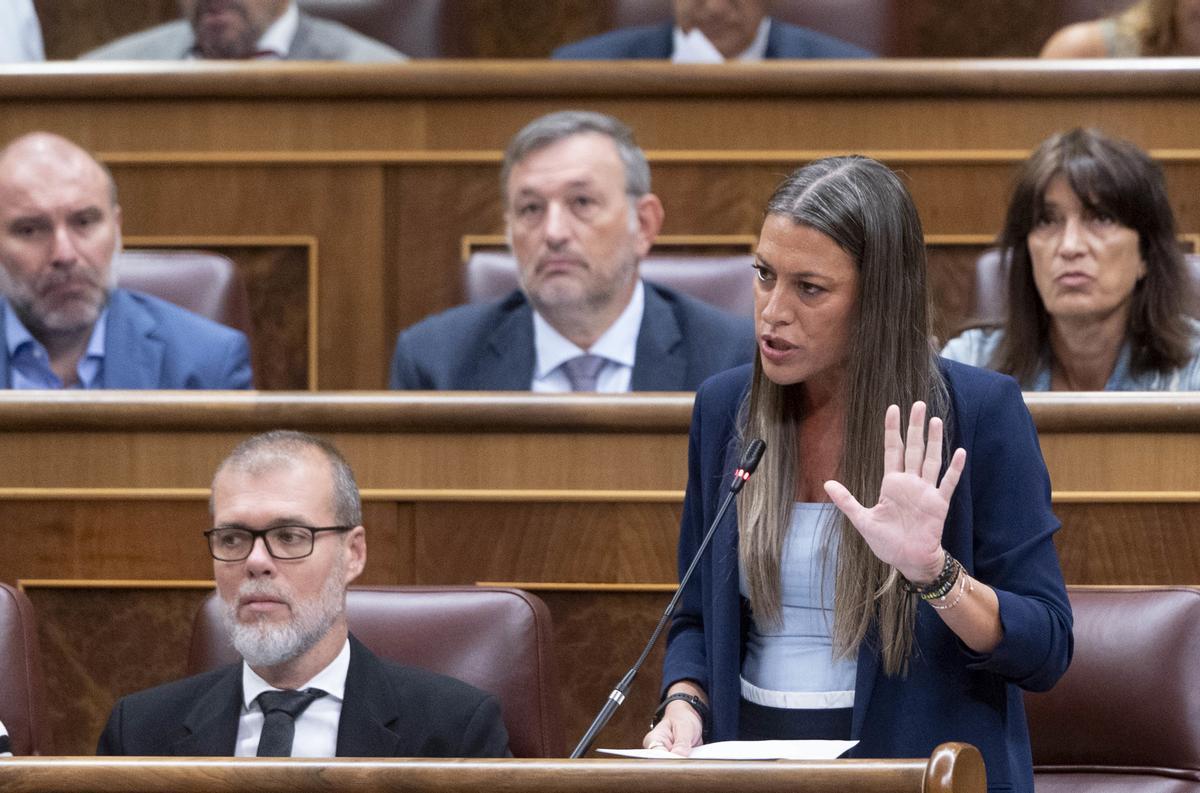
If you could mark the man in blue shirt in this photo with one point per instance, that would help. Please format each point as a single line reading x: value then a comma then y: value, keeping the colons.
x: 63, y: 324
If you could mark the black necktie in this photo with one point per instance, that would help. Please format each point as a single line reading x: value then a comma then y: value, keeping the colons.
x: 280, y: 709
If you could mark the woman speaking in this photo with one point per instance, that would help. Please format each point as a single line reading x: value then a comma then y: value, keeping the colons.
x: 903, y: 624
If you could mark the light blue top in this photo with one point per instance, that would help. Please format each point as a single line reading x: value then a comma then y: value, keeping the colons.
x: 30, y: 363
x: 977, y: 345
x: 797, y: 655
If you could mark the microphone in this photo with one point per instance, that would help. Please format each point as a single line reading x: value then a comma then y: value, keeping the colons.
x: 749, y: 462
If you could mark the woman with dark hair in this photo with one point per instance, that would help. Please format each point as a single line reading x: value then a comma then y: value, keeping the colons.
x: 901, y: 626
x: 1099, y: 297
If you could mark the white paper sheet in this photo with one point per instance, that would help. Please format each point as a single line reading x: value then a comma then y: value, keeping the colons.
x: 748, y: 750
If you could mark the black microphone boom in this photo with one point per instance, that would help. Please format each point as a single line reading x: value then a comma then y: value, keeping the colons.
x: 750, y: 459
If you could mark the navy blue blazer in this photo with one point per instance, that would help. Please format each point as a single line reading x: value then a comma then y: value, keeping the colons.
x: 657, y: 41
x: 150, y: 344
x: 489, y: 346
x: 1000, y: 526
x: 389, y: 710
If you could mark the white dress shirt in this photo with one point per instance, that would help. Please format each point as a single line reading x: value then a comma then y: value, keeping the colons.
x: 618, y: 346
x: 695, y: 47
x: 4, y: 742
x: 316, y: 727
x: 20, y: 33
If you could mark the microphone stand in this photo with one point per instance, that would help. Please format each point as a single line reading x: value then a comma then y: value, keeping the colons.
x: 754, y: 452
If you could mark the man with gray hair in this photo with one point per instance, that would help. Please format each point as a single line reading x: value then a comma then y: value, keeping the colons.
x: 286, y: 542
x: 580, y: 217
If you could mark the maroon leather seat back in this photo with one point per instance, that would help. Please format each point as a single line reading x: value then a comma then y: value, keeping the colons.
x: 203, y: 282
x: 1126, y: 716
x: 498, y: 640
x: 725, y: 280
x: 22, y: 696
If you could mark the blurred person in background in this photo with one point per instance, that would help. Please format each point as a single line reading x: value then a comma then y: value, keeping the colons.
x: 1147, y: 28
x: 246, y: 29
x: 20, y: 33
x: 712, y: 31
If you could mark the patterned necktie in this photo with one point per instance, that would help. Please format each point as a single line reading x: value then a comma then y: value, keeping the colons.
x: 583, y: 371
x: 280, y: 709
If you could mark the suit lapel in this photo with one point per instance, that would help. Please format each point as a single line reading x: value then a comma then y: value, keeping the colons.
x: 506, y: 362
x: 368, y: 725
x: 659, y: 363
x: 212, y: 723
x: 133, y: 355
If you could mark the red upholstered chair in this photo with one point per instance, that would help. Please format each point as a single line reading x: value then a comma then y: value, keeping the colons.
x: 1126, y: 716
x: 498, y: 640
x: 22, y: 697
x: 723, y: 280
x: 203, y: 282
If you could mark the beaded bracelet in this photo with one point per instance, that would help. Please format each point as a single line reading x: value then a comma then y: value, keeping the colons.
x: 940, y: 586
x: 966, y: 585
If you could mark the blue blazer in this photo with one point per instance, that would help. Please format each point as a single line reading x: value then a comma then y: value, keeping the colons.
x: 1000, y: 526
x: 657, y: 41
x: 389, y: 710
x: 152, y: 344
x: 489, y: 347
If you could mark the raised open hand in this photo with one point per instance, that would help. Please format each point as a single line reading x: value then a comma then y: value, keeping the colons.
x: 904, y: 529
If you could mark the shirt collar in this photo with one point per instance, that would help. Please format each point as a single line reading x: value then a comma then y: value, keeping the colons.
x: 279, y: 36
x: 17, y: 337
x: 617, y: 344
x: 331, y: 679
x: 757, y: 50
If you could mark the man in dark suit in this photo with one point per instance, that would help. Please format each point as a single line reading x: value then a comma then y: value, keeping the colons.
x: 712, y: 30
x: 62, y: 322
x: 287, y: 541
x: 580, y: 217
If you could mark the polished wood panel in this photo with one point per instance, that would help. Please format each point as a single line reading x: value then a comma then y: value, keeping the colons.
x: 952, y: 768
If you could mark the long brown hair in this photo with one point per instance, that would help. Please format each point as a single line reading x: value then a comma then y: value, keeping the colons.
x: 1115, y: 178
x: 863, y: 207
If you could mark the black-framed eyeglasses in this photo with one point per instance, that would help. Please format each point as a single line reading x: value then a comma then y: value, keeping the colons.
x: 282, y: 542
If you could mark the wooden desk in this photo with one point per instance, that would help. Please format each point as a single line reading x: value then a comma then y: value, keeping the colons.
x: 346, y: 192
x: 951, y: 768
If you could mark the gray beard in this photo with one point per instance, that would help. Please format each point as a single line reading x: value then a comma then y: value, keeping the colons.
x: 265, y: 644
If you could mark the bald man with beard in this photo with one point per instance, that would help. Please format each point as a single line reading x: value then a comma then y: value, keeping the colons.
x: 63, y: 322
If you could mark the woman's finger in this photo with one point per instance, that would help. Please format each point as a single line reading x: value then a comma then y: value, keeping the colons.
x: 914, y: 448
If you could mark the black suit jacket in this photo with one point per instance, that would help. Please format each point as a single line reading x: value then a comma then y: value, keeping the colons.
x: 389, y: 711
x: 489, y: 346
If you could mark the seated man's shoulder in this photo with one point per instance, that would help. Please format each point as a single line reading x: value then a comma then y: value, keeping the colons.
x: 327, y: 40
x: 467, y: 319
x: 694, y: 314
x: 169, y: 41
x: 793, y: 41
x: 645, y: 41
x: 165, y: 310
